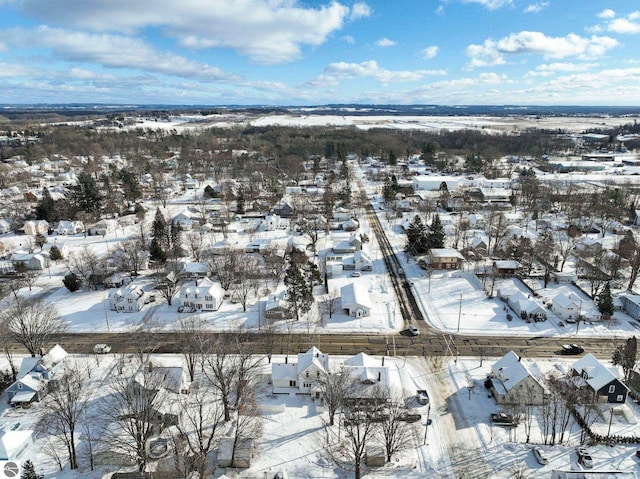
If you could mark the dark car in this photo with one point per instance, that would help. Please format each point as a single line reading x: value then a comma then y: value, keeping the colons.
x: 503, y: 419
x: 572, y: 349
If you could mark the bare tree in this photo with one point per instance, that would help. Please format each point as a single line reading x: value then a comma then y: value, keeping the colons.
x: 200, y: 426
x: 131, y: 255
x: 566, y: 244
x: 195, y: 244
x: 247, y: 422
x: 134, y: 405
x: 168, y: 285
x: 331, y: 303
x: 246, y: 280
x: 65, y: 404
x: 334, y: 387
x: 32, y: 323
x: 86, y: 265
x: 225, y: 266
x: 311, y: 227
x: 192, y: 342
x: 394, y: 429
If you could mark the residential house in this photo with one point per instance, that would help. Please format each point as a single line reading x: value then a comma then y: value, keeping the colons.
x: 104, y: 227
x: 510, y: 218
x: 359, y: 261
x: 350, y: 225
x: 341, y: 214
x: 526, y: 308
x: 284, y: 210
x: 566, y: 307
x: 434, y: 182
x: 348, y: 246
x: 273, y: 222
x: 35, y: 227
x: 186, y: 219
x: 591, y: 373
x: 444, y: 258
x: 369, y: 376
x: 5, y: 226
x: 258, y: 246
x: 62, y: 247
x: 631, y: 305
x: 34, y: 376
x: 277, y: 308
x: 355, y: 300
x: 300, y: 376
x: 191, y: 270
x: 69, y: 227
x: 514, y: 383
x: 33, y: 261
x: 505, y: 268
x: 129, y: 299
x: 203, y: 295
x: 13, y: 445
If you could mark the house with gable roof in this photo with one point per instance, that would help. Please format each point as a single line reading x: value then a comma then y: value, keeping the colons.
x: 355, y: 300
x: 590, y: 373
x: 129, y: 299
x: 566, y: 306
x: 202, y: 295
x: 368, y: 376
x: 34, y: 376
x: 514, y: 383
x: 277, y: 308
x: 301, y: 376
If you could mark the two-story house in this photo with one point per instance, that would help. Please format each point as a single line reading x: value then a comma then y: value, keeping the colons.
x: 129, y: 299
x: 202, y: 295
x: 590, y: 373
x: 34, y: 377
x: 300, y: 376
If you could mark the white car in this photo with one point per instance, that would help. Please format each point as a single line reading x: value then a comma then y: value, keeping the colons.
x: 540, y: 456
x: 102, y: 348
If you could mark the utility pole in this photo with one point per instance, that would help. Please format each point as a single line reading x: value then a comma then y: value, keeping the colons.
x: 459, y: 313
x: 426, y: 426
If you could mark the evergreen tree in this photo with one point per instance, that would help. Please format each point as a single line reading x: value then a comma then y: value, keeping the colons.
x: 72, y: 282
x: 55, y: 254
x: 393, y: 160
x: 417, y: 237
x: 159, y: 243
x: 388, y: 194
x: 240, y: 208
x: 130, y: 185
x: 85, y: 195
x: 299, y: 291
x: 29, y: 472
x: 605, y: 301
x: 45, y: 210
x: 626, y: 357
x: 435, y: 237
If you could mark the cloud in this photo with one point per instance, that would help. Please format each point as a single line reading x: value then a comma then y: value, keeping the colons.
x: 551, y: 69
x: 495, y: 52
x: 267, y: 31
x: 349, y: 39
x: 429, y: 52
x: 623, y: 25
x: 440, y: 10
x: 608, y: 13
x: 491, y: 4
x: 385, y: 42
x: 536, y: 7
x: 112, y: 51
x: 335, y: 72
x: 360, y: 10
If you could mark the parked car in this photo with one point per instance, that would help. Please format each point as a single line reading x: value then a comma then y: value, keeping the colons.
x: 422, y: 397
x: 540, y: 456
x: 15, y: 426
x: 101, y: 348
x: 584, y: 458
x: 503, y: 419
x: 356, y: 274
x: 571, y: 349
x: 413, y: 330
x: 408, y: 417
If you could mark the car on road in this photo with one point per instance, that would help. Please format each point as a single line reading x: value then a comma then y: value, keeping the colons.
x: 101, y: 348
x: 571, y: 349
x: 584, y: 458
x: 15, y: 426
x: 540, y: 455
x: 503, y: 419
x: 422, y: 397
x: 356, y: 274
x: 413, y: 330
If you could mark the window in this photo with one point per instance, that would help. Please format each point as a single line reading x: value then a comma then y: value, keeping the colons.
x: 209, y: 306
x: 612, y: 389
x: 619, y: 398
x: 19, y: 385
x: 306, y: 385
x: 307, y: 374
x: 292, y: 384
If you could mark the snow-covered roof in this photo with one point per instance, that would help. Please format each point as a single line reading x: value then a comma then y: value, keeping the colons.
x: 510, y: 371
x: 54, y: 356
x: 354, y: 294
x: 598, y: 375
x: 313, y: 356
x: 361, y: 359
x: 566, y: 300
x: 11, y: 441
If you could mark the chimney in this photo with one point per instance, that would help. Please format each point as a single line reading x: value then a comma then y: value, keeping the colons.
x: 286, y: 359
x: 382, y: 360
x: 379, y: 376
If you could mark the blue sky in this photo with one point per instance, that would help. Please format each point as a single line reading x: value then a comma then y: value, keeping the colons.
x: 295, y: 52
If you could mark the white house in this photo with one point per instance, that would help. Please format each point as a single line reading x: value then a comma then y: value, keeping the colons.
x: 5, y: 226
x: 302, y: 375
x: 69, y: 227
x: 367, y: 374
x: 35, y: 262
x: 355, y: 300
x: 272, y: 222
x: 203, y: 295
x: 13, y: 444
x: 103, y: 227
x: 514, y: 383
x: 566, y: 307
x: 186, y: 219
x: 433, y: 182
x: 129, y: 299
x: 258, y: 246
x: 526, y: 308
x: 34, y: 227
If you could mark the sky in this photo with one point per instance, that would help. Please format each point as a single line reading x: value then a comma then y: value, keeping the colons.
x: 313, y: 52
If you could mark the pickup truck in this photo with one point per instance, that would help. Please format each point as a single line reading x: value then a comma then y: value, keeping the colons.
x: 503, y: 419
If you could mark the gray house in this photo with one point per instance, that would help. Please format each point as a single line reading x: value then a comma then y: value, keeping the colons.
x: 591, y: 373
x: 35, y: 375
x: 631, y: 305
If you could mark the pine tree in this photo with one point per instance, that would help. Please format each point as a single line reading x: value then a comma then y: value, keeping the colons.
x: 45, y: 210
x: 605, y: 301
x: 299, y: 291
x: 159, y: 241
x: 417, y: 237
x: 29, y: 472
x: 435, y: 237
